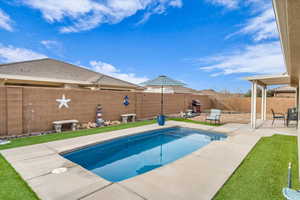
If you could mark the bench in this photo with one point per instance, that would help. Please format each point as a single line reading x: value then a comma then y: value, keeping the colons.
x: 58, y: 124
x: 126, y: 117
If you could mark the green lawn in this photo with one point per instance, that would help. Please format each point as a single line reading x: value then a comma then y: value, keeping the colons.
x: 12, y: 187
x: 193, y: 121
x: 263, y: 173
x: 261, y: 176
x: 71, y: 134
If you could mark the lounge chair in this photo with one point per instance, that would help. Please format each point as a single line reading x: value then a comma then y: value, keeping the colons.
x: 277, y: 116
x: 215, y: 115
x: 287, y: 192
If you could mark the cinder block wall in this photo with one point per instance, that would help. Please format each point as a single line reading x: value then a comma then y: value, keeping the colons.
x: 3, y: 111
x: 27, y: 109
x: 243, y: 104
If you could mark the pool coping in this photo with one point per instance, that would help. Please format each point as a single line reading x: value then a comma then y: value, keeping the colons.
x: 34, y: 163
x: 135, y: 134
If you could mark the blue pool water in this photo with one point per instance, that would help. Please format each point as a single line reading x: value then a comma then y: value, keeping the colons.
x: 126, y: 157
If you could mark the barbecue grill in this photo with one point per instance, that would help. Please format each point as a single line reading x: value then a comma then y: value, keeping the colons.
x: 196, y: 106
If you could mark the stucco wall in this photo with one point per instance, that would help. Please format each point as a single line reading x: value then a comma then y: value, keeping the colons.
x: 25, y: 109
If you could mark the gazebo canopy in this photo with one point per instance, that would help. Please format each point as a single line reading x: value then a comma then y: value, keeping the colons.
x: 265, y: 80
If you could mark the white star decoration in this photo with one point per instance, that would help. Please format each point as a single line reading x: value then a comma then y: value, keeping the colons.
x: 63, y: 102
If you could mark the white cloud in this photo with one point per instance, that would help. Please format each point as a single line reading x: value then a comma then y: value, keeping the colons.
x: 262, y: 26
x: 176, y: 3
x: 88, y: 14
x: 230, y: 4
x: 14, y: 54
x: 49, y: 44
x: 160, y: 9
x: 255, y: 5
x: 258, y: 59
x: 5, y: 21
x: 111, y: 70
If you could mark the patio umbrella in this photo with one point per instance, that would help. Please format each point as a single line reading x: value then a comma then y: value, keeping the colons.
x: 162, y: 81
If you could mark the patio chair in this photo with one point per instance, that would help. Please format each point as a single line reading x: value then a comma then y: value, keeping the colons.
x: 292, y: 115
x: 277, y: 116
x: 287, y: 192
x: 215, y: 115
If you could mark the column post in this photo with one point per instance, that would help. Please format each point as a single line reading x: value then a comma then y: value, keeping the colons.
x: 298, y: 107
x: 265, y: 103
x: 253, y: 104
x: 262, y: 107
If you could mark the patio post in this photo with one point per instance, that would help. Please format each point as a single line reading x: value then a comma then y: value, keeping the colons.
x: 298, y: 105
x: 264, y: 103
x: 253, y: 104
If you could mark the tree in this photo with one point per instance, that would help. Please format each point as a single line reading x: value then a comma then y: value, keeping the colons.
x: 270, y: 93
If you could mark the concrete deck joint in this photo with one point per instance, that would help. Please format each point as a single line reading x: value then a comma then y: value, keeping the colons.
x: 80, y: 198
x: 133, y: 192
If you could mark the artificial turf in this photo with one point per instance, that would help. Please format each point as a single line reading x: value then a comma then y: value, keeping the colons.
x: 263, y: 173
x: 195, y: 122
x: 70, y: 134
x: 12, y: 186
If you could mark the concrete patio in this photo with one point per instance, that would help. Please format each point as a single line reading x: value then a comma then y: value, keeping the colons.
x: 197, y: 176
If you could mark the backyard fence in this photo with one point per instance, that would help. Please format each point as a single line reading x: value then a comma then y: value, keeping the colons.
x: 24, y: 110
x: 243, y: 104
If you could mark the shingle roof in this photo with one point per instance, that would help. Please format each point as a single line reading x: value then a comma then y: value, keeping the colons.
x: 57, y: 70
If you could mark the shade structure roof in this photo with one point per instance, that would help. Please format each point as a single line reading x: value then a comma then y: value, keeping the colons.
x: 163, y: 81
x: 265, y: 80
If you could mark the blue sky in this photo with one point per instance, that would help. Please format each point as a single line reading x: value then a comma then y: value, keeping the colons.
x: 205, y: 43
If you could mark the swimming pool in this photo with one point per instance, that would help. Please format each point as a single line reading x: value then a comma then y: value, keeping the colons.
x: 126, y: 157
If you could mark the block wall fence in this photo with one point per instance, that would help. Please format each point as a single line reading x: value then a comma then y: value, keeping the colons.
x: 25, y: 110
x: 243, y: 104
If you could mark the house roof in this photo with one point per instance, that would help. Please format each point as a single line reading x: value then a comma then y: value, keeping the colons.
x: 285, y: 89
x: 208, y: 92
x: 51, y: 70
x: 182, y: 89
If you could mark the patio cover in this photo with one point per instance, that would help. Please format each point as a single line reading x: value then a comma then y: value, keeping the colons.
x: 264, y: 81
